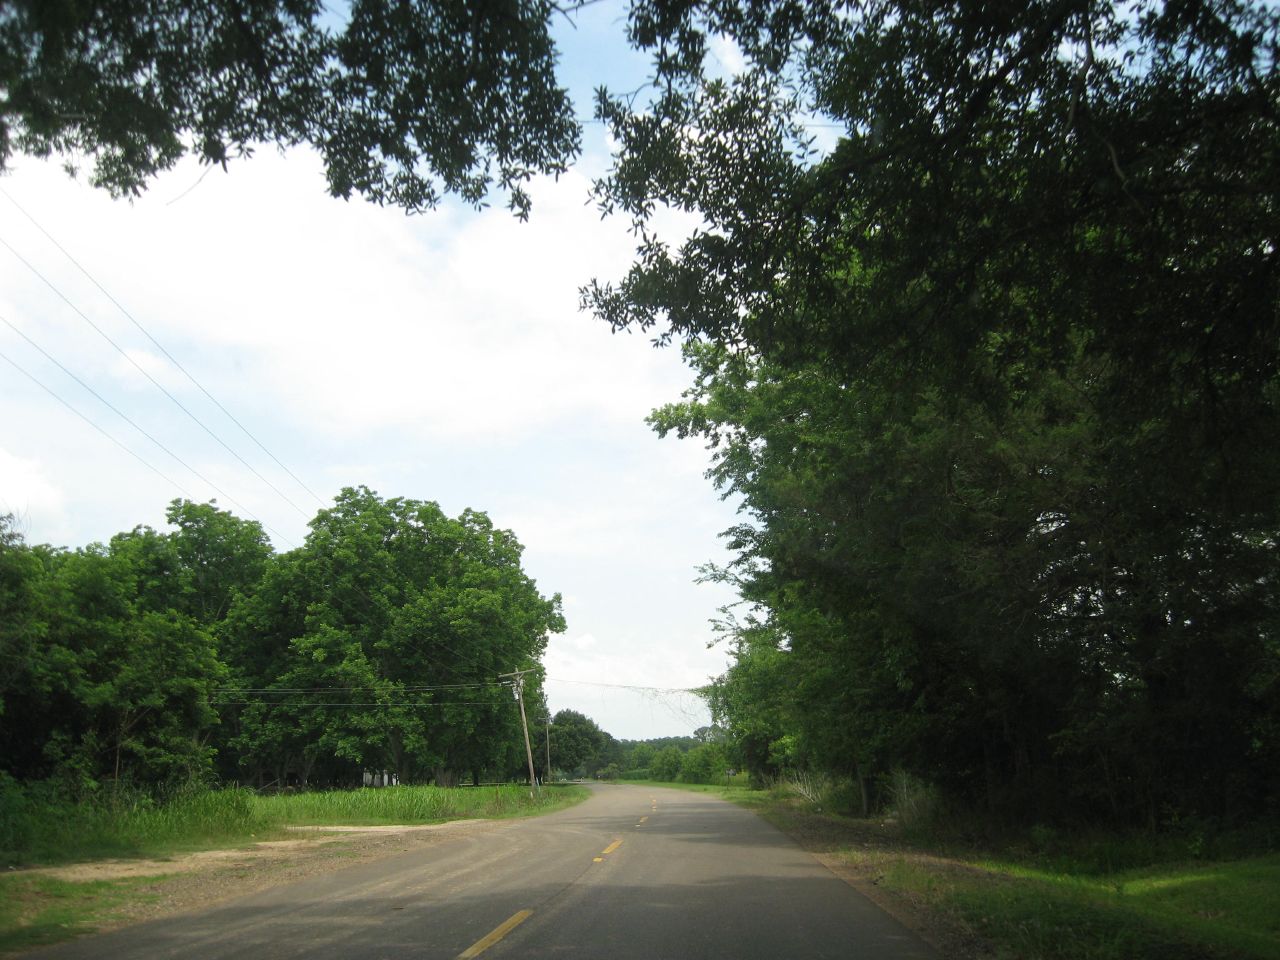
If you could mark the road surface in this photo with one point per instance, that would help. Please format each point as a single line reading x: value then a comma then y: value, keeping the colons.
x: 634, y: 873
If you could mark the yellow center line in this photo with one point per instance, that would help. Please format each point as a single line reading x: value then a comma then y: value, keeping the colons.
x: 597, y: 859
x: 612, y: 847
x: 643, y: 819
x: 500, y: 931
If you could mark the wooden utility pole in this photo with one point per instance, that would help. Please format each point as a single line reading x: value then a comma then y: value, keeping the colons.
x: 548, y: 776
x: 517, y: 678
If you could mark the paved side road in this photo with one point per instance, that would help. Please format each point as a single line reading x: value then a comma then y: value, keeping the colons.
x: 632, y: 874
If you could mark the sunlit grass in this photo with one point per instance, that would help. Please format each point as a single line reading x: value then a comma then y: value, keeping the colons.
x: 1226, y: 909
x: 1171, y: 911
x: 36, y: 911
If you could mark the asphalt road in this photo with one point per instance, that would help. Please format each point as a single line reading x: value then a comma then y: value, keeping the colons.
x: 634, y: 873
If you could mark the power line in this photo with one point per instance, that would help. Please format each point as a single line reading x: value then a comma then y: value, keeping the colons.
x: 156, y: 383
x: 404, y: 689
x: 309, y: 704
x: 129, y: 420
x: 13, y: 363
x: 172, y: 359
x: 626, y: 686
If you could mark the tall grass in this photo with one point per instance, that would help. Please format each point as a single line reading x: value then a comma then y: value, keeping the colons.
x: 40, y: 826
x: 403, y: 804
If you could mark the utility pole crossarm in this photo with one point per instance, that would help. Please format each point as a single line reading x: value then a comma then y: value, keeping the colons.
x: 518, y: 682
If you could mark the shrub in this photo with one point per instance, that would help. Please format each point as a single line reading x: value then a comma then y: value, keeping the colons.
x: 703, y: 764
x: 914, y: 802
x: 812, y: 788
x: 666, y: 765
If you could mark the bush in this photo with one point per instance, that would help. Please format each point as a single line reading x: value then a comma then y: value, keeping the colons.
x: 914, y: 802
x: 641, y: 773
x: 843, y: 796
x: 703, y: 764
x: 812, y: 788
x: 666, y: 765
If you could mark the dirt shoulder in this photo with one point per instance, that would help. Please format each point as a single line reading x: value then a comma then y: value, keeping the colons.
x: 320, y: 848
x: 160, y: 887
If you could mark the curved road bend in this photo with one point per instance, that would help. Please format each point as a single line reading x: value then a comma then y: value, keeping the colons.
x: 634, y: 873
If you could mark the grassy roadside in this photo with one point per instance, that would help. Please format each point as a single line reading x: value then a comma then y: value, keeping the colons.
x: 1012, y: 901
x: 37, y: 910
x: 40, y: 831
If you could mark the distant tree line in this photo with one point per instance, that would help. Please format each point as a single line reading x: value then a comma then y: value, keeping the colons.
x: 579, y: 748
x: 705, y: 757
x: 203, y: 654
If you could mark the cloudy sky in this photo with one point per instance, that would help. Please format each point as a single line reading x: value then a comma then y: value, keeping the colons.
x: 440, y: 357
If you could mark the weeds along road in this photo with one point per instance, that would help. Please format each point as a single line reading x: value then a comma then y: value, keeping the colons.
x: 633, y: 873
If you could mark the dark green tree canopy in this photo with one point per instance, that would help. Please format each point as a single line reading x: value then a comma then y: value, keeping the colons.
x: 200, y: 652
x: 575, y: 740
x: 404, y: 101
x: 996, y: 374
x: 1009, y: 182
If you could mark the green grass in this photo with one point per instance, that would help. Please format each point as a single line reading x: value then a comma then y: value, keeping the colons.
x: 37, y: 911
x: 1227, y: 909
x: 37, y: 827
x: 392, y: 805
x: 43, y: 830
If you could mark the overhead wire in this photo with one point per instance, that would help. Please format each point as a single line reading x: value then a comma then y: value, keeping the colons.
x: 172, y: 359
x: 156, y: 383
x: 626, y: 686
x: 415, y: 688
x: 129, y: 420
x: 49, y: 390
x: 298, y: 704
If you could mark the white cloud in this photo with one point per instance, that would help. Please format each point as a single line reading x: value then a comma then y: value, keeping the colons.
x: 728, y: 54
x: 29, y: 495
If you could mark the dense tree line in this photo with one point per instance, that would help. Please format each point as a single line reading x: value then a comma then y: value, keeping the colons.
x: 996, y: 380
x: 702, y: 758
x: 203, y: 654
x: 579, y: 748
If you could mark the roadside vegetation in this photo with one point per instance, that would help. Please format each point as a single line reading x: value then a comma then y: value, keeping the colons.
x: 36, y: 911
x: 202, y: 655
x: 46, y: 829
x: 1039, y: 893
x: 41, y: 829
